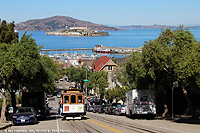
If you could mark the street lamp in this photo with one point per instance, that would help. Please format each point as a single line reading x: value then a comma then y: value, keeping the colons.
x: 86, y: 80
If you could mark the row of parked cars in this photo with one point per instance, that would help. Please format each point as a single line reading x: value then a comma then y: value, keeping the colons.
x: 114, y: 108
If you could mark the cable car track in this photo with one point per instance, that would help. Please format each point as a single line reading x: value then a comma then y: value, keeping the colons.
x: 79, y: 126
x: 129, y: 126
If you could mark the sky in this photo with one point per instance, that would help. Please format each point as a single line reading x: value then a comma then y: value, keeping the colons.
x: 107, y: 12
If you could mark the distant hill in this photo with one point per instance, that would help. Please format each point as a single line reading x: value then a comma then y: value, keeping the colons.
x: 151, y: 26
x: 58, y: 23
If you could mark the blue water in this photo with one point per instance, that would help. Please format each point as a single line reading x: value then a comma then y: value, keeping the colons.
x: 129, y: 38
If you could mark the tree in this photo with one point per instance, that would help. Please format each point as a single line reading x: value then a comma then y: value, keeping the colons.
x: 110, y: 94
x: 22, y: 66
x: 102, y: 83
x: 7, y: 33
x: 120, y: 77
x: 99, y: 82
x: 7, y: 65
x: 7, y: 60
x: 175, y: 54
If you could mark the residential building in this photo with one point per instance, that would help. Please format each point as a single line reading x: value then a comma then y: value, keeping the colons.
x: 104, y: 63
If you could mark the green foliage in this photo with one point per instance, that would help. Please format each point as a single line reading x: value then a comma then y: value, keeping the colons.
x: 23, y: 66
x: 173, y: 52
x: 74, y: 74
x: 99, y: 81
x: 7, y: 60
x: 173, y: 56
x: 28, y: 54
x: 7, y: 34
x: 77, y: 74
x: 48, y: 73
x: 116, y: 93
x: 134, y: 70
x: 110, y: 94
x: 1, y: 102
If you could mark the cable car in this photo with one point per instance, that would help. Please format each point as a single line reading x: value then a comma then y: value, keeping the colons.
x: 73, y: 106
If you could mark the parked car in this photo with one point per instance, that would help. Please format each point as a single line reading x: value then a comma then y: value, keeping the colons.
x: 25, y: 115
x: 59, y: 95
x: 90, y: 108
x: 49, y: 95
x: 111, y: 108
x: 96, y: 109
x: 107, y: 108
x: 102, y: 109
x: 94, y: 100
x: 120, y: 110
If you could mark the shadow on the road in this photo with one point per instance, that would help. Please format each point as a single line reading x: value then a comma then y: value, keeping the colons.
x: 53, y: 117
x: 180, y: 119
x: 187, y: 120
x: 82, y: 118
x: 85, y: 118
x: 26, y: 124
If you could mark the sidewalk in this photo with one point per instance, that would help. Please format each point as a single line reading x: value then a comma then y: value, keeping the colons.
x: 5, y: 125
x: 181, y: 119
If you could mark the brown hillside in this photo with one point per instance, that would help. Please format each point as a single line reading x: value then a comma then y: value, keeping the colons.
x: 58, y: 23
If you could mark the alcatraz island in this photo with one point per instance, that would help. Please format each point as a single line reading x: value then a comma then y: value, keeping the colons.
x: 77, y: 31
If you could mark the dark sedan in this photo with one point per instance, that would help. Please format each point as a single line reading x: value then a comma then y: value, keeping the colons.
x: 102, y: 109
x: 96, y: 109
x: 25, y: 115
x: 90, y: 108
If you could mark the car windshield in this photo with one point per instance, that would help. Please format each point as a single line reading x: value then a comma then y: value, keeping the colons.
x: 24, y: 110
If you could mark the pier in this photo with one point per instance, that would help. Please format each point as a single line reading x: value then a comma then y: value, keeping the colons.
x: 116, y: 50
x: 75, y: 49
x: 102, y: 49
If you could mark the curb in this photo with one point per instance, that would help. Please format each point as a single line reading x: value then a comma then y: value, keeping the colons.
x: 6, y: 126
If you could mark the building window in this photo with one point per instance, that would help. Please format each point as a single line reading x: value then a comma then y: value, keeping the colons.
x: 109, y: 68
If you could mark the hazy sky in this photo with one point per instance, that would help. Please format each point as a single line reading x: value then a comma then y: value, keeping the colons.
x: 107, y: 12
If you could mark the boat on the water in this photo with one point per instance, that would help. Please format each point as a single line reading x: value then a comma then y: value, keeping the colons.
x: 101, y: 50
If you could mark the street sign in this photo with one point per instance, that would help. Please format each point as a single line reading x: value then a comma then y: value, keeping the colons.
x: 86, y: 80
x: 175, y: 84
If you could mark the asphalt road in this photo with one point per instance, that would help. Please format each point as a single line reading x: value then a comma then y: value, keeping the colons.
x: 102, y: 123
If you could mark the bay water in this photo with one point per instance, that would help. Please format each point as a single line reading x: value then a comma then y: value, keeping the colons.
x: 128, y: 38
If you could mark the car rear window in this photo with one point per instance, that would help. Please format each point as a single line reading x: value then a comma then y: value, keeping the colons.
x: 24, y: 111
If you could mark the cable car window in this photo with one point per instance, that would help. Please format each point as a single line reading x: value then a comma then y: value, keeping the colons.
x: 66, y: 99
x: 79, y: 99
x: 73, y: 98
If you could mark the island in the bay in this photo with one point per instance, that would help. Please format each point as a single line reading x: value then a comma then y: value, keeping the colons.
x: 77, y: 31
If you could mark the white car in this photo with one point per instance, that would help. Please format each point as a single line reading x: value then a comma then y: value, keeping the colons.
x: 58, y: 95
x: 120, y: 110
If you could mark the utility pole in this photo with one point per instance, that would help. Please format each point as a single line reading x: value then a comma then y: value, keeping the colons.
x: 175, y: 85
x: 86, y: 80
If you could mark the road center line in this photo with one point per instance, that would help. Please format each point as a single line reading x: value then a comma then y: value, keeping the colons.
x: 58, y: 129
x: 112, y: 129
